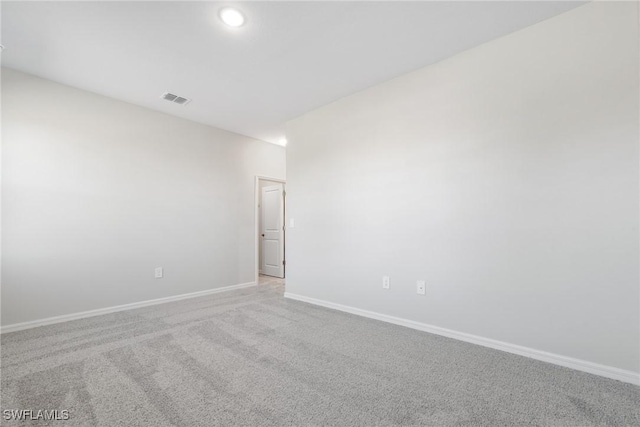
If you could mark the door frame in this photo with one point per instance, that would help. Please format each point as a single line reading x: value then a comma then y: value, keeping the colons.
x: 256, y: 215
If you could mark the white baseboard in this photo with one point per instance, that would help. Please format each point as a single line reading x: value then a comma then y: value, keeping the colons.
x: 556, y: 359
x: 100, y: 311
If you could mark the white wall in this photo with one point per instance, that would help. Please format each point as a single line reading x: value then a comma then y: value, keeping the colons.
x: 506, y: 177
x: 98, y: 192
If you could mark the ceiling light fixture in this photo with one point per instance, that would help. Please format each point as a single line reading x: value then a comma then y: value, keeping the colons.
x: 232, y: 17
x: 283, y: 142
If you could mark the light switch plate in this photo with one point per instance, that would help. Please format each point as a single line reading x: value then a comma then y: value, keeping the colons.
x: 421, y: 287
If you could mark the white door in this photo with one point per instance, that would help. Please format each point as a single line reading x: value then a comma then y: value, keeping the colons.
x: 272, y: 233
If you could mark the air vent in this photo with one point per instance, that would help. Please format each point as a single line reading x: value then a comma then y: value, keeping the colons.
x: 175, y: 98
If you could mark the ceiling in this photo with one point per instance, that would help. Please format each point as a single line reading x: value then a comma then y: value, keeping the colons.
x: 288, y: 58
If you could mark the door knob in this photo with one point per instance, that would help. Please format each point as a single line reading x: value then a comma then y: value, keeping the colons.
x: 263, y: 235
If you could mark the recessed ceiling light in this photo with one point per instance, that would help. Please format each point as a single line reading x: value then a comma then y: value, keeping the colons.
x: 232, y: 17
x: 283, y: 142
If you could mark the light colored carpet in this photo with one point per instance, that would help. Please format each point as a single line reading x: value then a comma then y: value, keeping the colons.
x: 252, y: 358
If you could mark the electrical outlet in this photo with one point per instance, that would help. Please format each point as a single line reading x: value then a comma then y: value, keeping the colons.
x: 385, y: 282
x: 421, y: 287
x: 159, y: 273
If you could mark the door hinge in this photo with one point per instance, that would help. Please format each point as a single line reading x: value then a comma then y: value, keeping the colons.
x: 284, y: 262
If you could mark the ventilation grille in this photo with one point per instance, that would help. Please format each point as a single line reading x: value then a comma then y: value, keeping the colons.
x: 175, y: 98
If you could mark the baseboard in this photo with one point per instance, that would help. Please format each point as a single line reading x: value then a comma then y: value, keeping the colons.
x: 556, y: 359
x: 100, y: 311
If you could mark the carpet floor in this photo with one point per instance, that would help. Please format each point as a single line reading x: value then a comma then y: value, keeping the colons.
x: 252, y: 358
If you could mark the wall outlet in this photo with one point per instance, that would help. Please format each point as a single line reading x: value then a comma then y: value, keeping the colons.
x: 159, y: 273
x: 292, y: 223
x: 421, y: 287
x: 385, y: 282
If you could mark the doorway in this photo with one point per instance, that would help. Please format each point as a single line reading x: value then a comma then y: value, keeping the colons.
x: 270, y: 229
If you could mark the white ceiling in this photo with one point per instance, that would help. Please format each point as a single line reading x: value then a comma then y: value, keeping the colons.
x: 288, y: 58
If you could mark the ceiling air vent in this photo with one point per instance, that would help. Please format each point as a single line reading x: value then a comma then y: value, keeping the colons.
x: 175, y: 98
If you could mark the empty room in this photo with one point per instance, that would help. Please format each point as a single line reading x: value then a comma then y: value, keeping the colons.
x: 320, y: 213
